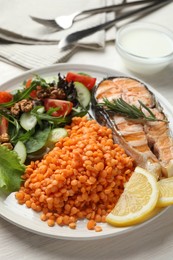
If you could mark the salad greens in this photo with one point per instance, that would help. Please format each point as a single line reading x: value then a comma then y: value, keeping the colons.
x: 34, y: 133
x: 38, y: 140
x: 11, y: 170
x: 25, y: 93
x: 32, y: 118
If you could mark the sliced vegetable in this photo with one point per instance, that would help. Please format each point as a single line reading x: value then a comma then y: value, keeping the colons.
x: 87, y: 81
x: 53, y: 120
x: 3, y: 125
x: 20, y: 149
x: 38, y: 140
x: 5, y: 97
x: 28, y: 121
x: 56, y: 134
x: 83, y: 73
x: 28, y: 83
x: 9, y: 125
x: 33, y: 93
x: 41, y: 110
x: 83, y: 94
x: 25, y: 93
x: 11, y: 170
x: 63, y: 107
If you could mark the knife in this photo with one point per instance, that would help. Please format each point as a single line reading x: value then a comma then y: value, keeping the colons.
x: 72, y: 38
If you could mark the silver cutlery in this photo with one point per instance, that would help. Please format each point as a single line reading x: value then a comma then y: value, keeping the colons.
x: 72, y: 38
x: 66, y: 21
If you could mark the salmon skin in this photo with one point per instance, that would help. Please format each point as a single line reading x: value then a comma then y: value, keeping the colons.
x: 148, y: 142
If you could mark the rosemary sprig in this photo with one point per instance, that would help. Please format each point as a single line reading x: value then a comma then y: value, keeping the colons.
x: 121, y: 107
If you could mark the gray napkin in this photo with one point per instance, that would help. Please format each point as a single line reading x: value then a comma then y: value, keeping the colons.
x: 31, y: 45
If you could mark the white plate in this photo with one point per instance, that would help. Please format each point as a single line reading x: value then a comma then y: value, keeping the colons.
x: 28, y: 219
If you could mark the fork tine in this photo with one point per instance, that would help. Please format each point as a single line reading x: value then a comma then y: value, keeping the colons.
x: 45, y: 22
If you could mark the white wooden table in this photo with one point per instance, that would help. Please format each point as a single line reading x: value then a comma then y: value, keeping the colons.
x: 152, y: 241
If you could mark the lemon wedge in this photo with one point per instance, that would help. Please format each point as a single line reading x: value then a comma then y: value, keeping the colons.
x: 138, y: 200
x: 166, y: 192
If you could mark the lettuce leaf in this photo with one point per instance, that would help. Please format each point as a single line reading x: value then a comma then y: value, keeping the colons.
x: 38, y: 140
x: 10, y: 170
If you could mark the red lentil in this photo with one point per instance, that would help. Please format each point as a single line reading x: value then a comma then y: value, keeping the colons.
x: 98, y: 229
x: 91, y: 224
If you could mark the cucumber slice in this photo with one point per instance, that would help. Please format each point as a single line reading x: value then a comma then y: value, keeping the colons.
x: 83, y: 94
x: 28, y: 121
x: 20, y: 149
x: 56, y: 134
x: 41, y: 110
x: 83, y: 73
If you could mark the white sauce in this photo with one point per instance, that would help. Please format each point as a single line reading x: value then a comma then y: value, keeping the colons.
x: 147, y: 43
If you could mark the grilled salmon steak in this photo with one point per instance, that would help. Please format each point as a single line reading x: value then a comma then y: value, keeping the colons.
x: 148, y: 142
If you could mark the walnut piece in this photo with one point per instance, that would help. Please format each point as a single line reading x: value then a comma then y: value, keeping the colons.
x: 15, y: 110
x: 8, y: 145
x: 26, y: 105
x: 23, y: 105
x: 4, y: 138
x: 43, y: 93
x: 52, y: 92
x: 57, y: 94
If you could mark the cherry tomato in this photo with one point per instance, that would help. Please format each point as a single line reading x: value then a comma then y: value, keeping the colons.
x: 5, y: 97
x: 65, y: 106
x: 28, y: 83
x: 87, y: 81
x: 33, y: 93
x: 3, y: 126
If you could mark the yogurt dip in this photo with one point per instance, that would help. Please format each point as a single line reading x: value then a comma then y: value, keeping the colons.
x: 145, y: 48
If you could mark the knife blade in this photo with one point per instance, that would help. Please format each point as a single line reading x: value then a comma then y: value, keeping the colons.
x: 72, y: 38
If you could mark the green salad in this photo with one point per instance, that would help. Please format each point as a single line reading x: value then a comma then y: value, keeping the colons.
x: 32, y: 120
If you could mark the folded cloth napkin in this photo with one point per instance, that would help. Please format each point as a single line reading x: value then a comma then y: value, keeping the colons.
x: 29, y: 44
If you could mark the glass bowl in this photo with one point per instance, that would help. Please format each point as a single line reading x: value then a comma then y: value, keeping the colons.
x: 145, y: 48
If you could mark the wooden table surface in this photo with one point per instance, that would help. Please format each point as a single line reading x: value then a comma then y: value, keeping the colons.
x: 151, y: 241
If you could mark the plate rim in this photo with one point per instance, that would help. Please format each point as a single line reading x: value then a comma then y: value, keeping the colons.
x: 96, y: 69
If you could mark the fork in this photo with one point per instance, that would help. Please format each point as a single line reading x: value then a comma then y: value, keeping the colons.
x: 66, y: 21
x: 72, y: 38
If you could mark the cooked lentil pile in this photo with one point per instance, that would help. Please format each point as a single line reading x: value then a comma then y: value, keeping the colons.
x: 82, y: 177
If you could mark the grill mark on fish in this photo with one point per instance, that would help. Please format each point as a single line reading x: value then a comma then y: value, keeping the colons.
x: 112, y: 91
x: 134, y: 135
x: 129, y: 89
x: 131, y: 132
